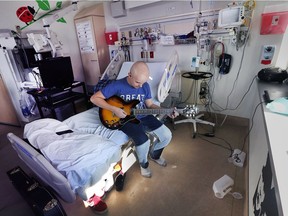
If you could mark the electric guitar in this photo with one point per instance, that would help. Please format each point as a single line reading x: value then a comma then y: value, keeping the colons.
x: 112, y: 121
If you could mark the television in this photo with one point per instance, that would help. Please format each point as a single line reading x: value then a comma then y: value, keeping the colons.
x: 28, y: 57
x: 56, y: 72
x: 231, y: 17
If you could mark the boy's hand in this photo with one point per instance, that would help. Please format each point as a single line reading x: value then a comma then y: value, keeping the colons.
x: 174, y: 114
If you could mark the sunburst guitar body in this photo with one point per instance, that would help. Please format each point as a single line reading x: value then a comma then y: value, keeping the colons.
x: 112, y: 121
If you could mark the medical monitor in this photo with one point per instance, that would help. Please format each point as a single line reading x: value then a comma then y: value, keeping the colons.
x: 231, y: 17
x: 56, y: 72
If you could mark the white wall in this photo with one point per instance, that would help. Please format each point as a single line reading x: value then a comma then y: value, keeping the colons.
x: 282, y: 60
x: 250, y: 67
x: 223, y: 87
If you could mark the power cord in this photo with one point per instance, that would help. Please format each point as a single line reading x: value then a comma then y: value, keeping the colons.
x: 244, y: 94
x: 225, y: 109
x: 229, y: 148
x: 236, y: 195
x: 238, y: 156
x: 222, y: 109
x: 252, y: 123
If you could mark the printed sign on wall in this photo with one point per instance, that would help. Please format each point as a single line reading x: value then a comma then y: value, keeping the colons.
x: 85, y: 37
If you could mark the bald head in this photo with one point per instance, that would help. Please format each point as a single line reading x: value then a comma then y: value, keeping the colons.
x: 140, y: 69
x: 139, y: 74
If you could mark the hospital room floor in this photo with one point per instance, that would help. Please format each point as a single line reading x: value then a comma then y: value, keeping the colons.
x: 183, y: 188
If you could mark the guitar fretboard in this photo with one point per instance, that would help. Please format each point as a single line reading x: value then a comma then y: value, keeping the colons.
x: 151, y: 111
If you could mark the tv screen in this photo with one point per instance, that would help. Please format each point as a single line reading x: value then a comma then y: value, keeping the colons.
x: 56, y: 72
x: 28, y: 59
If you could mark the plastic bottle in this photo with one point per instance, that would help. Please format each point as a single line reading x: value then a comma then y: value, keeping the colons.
x: 24, y: 108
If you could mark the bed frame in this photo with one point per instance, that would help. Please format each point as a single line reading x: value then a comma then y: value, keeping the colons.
x: 52, y: 177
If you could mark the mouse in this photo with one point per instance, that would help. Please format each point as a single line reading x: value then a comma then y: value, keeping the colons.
x: 279, y: 105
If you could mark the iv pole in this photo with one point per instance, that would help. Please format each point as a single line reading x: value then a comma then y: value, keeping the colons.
x: 192, y: 110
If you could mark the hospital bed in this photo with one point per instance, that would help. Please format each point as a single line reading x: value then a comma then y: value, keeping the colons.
x: 80, y: 156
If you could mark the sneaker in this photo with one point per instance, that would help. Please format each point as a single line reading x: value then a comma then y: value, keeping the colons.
x: 146, y: 172
x: 161, y: 161
x: 97, y: 205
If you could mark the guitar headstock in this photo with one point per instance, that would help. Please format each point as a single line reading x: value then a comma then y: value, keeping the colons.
x: 190, y: 111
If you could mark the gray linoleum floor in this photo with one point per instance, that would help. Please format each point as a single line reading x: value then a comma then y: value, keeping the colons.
x: 183, y: 188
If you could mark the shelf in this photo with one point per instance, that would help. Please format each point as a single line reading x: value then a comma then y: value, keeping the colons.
x: 58, y: 97
x: 171, y: 18
x: 61, y: 99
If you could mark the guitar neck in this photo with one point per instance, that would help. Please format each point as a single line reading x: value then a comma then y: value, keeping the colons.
x: 151, y: 111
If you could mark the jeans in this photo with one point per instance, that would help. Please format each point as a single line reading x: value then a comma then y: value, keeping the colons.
x: 138, y: 133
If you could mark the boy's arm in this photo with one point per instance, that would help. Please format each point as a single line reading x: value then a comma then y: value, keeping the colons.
x: 99, y: 100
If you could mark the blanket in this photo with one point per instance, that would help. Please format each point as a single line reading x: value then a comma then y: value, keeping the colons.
x: 82, y: 158
x: 89, y: 122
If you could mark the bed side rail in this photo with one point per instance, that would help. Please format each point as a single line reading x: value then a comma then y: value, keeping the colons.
x: 42, y: 168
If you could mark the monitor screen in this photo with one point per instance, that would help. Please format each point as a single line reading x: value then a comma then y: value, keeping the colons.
x: 28, y: 58
x: 56, y: 72
x: 231, y: 17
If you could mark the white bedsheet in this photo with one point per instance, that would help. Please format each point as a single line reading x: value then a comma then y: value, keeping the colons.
x: 83, y: 158
x: 89, y: 122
